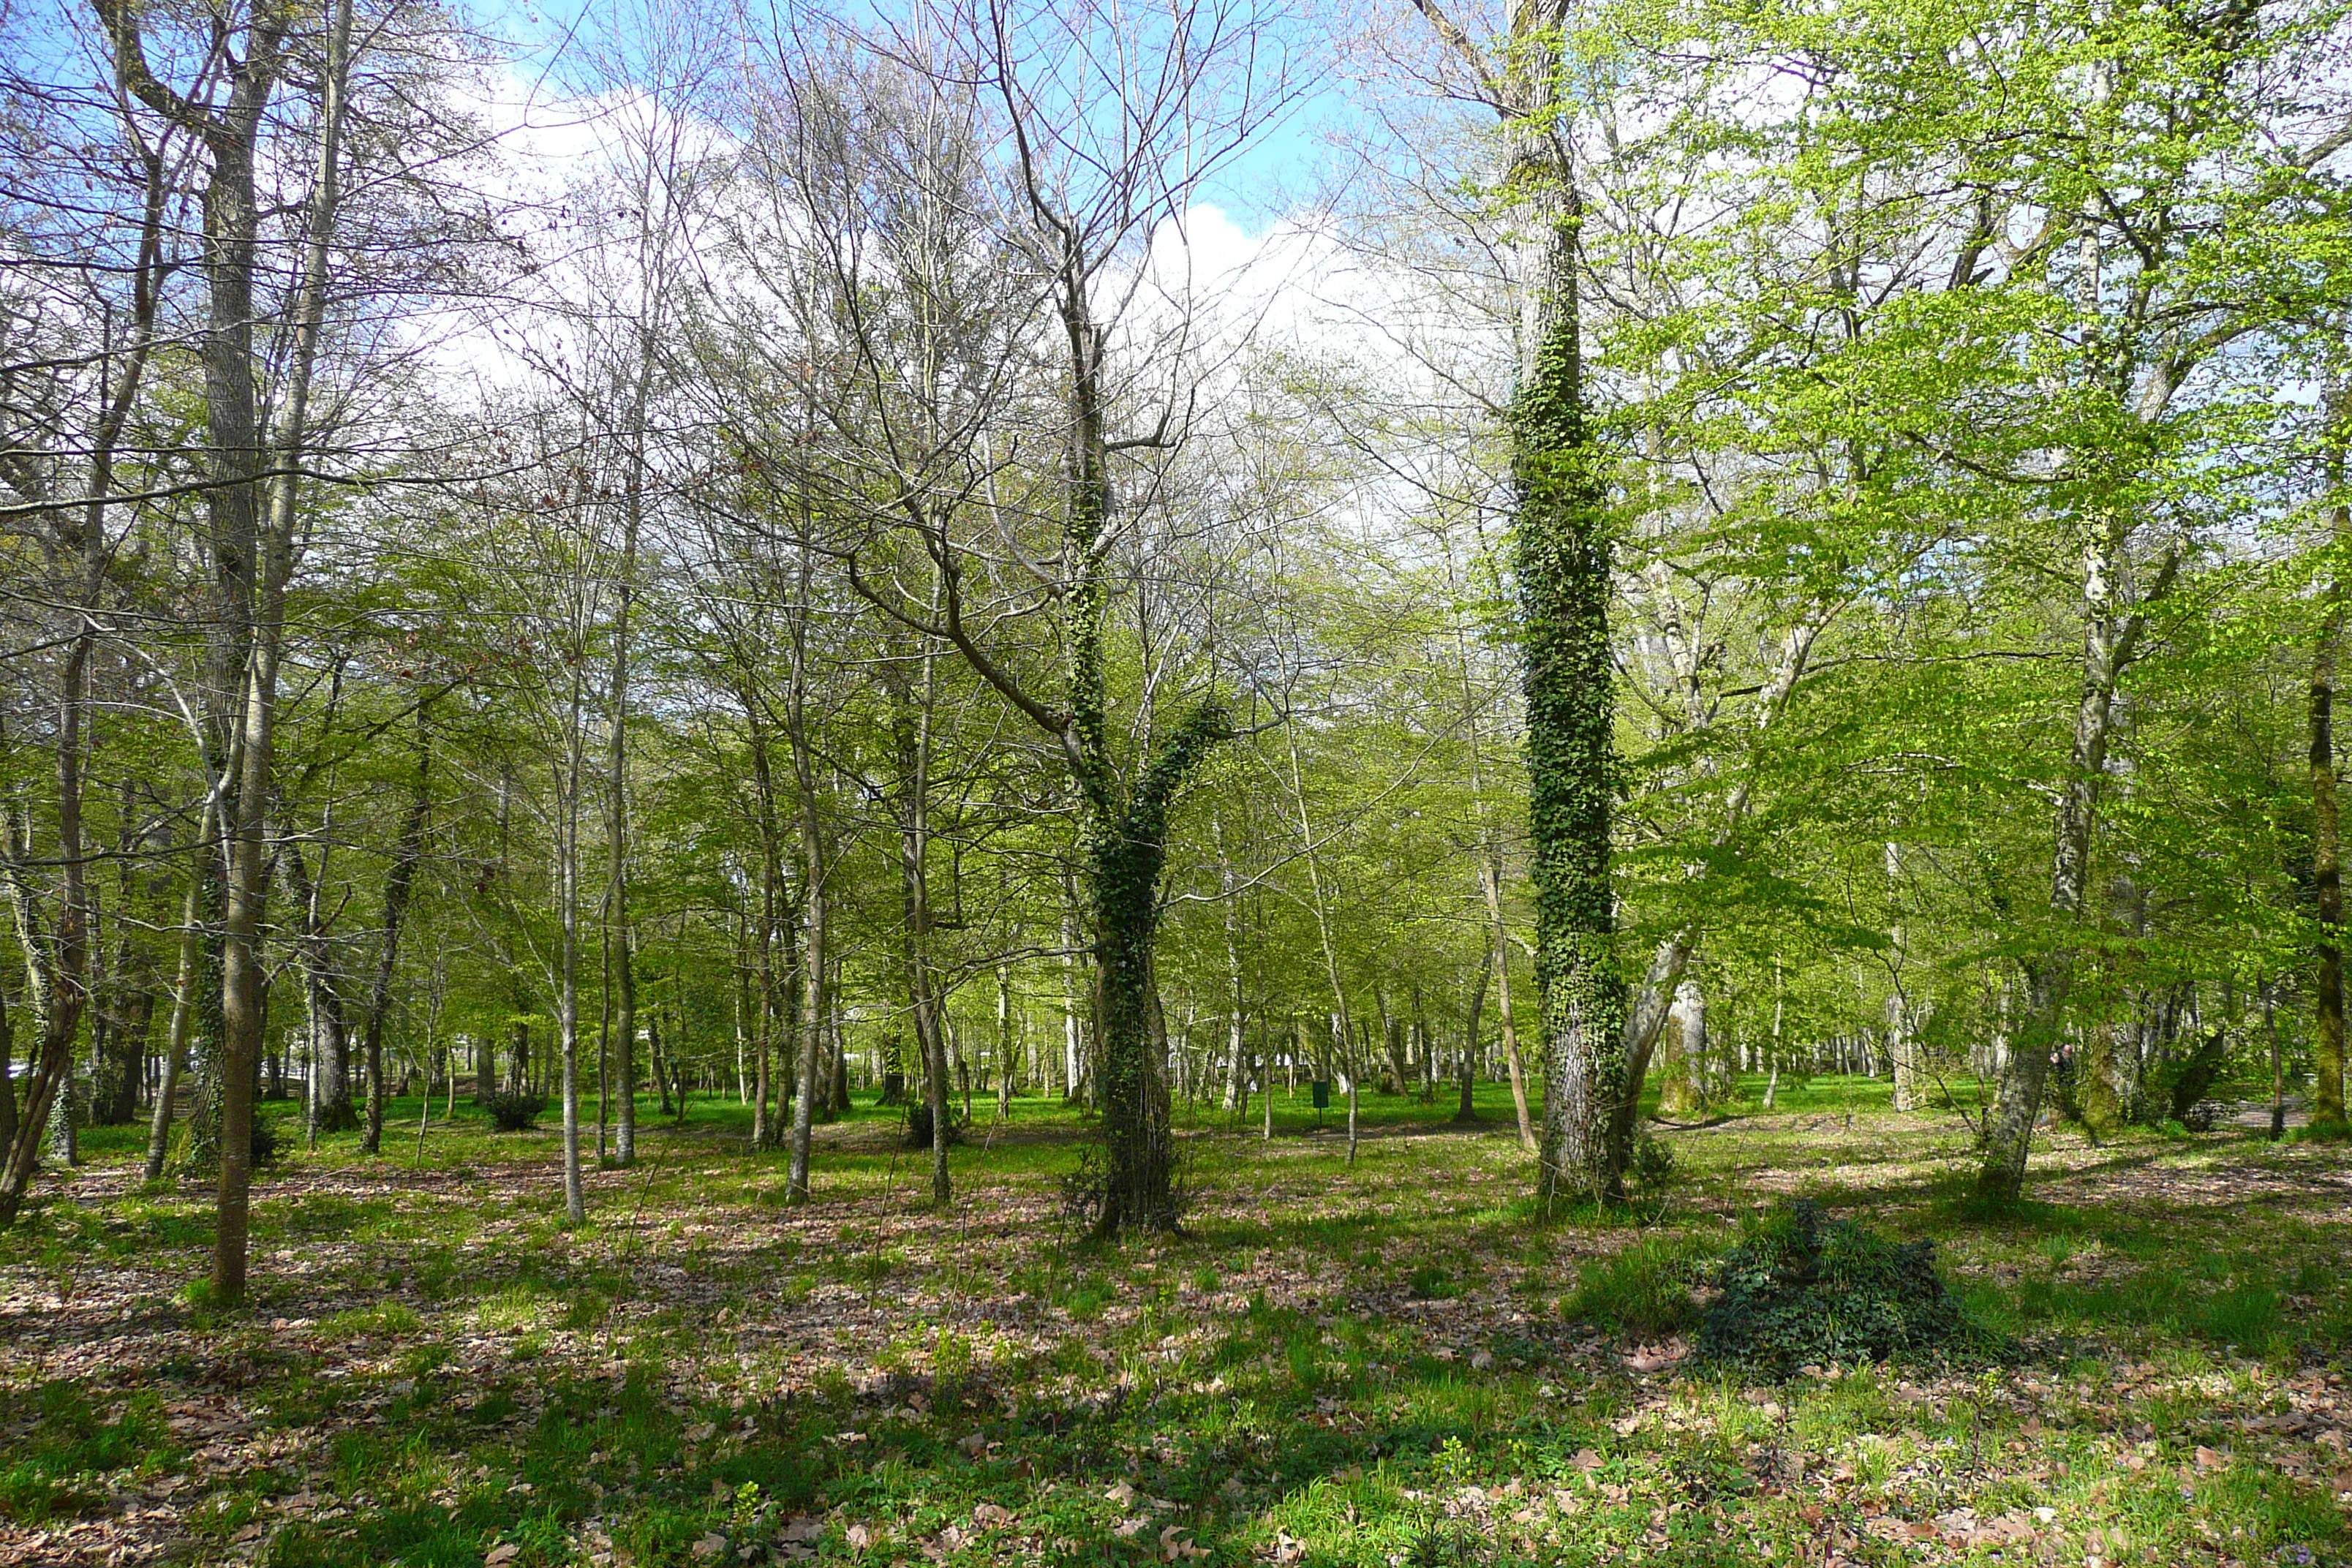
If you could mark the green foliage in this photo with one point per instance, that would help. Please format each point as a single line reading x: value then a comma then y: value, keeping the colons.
x: 1643, y: 1289
x: 268, y: 1150
x: 510, y: 1112
x: 1652, y: 1166
x: 1805, y: 1291
x: 919, y: 1125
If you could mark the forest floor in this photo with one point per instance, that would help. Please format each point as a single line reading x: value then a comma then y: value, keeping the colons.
x: 1388, y: 1363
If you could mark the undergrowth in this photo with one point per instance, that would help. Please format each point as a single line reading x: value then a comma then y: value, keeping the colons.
x: 1802, y: 1291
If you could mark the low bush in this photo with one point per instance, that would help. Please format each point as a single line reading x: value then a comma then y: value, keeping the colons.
x: 510, y: 1112
x: 1803, y: 1290
x: 919, y: 1126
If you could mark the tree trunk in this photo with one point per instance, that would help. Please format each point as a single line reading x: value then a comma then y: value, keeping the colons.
x: 2327, y: 1114
x: 814, y: 895
x: 330, y: 1098
x: 1073, y: 1057
x: 567, y: 974
x: 757, y: 1008
x: 1125, y: 857
x: 1468, y: 1110
x: 2108, y: 644
x: 9, y: 1080
x: 1007, y: 1067
x: 1236, y: 1101
x: 406, y: 852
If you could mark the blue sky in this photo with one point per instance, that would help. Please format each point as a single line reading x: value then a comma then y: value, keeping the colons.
x: 1256, y: 190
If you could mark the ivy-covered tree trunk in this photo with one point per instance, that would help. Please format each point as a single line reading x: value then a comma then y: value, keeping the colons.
x: 1125, y: 861
x: 1562, y: 559
x: 1561, y: 556
x: 1123, y: 844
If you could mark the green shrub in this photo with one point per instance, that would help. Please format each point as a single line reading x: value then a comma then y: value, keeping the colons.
x: 510, y: 1112
x: 1642, y: 1289
x: 1806, y: 1291
x: 1652, y: 1168
x: 919, y: 1126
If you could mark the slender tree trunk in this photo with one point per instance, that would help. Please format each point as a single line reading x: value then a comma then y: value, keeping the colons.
x: 406, y: 852
x: 1490, y: 879
x: 1467, y: 1111
x: 2108, y: 643
x: 330, y: 1098
x: 620, y: 937
x: 1490, y: 885
x: 1341, y: 1025
x: 812, y: 1043
x: 567, y: 977
x: 8, y: 1081
x: 1073, y: 1062
x: 2278, y: 1062
x: 2327, y: 1114
x: 1007, y: 1067
x: 1236, y: 1099
x: 53, y: 991
x: 761, y: 1008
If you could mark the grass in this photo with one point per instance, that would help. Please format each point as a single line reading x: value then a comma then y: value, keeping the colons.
x: 1384, y: 1365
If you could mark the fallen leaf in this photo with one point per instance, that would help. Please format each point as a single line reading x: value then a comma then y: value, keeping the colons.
x: 975, y: 1443
x: 988, y: 1513
x: 2207, y: 1459
x: 709, y: 1546
x: 505, y: 1551
x: 700, y: 1432
x: 1126, y: 1528
x: 858, y: 1537
x: 1120, y: 1493
x: 1588, y: 1459
x: 1480, y: 1361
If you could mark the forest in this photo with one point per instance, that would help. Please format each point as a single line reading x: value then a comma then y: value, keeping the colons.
x: 1046, y: 781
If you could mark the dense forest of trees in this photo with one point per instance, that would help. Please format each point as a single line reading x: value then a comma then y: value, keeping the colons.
x: 1785, y: 538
